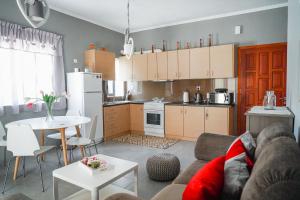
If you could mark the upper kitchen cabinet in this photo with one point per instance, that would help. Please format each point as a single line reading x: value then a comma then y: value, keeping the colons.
x: 140, y: 67
x: 184, y: 64
x: 124, y: 69
x: 222, y: 61
x: 152, y: 66
x: 101, y: 62
x: 172, y: 65
x: 199, y: 63
x: 162, y: 65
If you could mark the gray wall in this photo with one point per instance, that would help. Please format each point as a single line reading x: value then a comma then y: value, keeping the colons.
x: 293, y: 69
x: 78, y: 34
x: 258, y: 28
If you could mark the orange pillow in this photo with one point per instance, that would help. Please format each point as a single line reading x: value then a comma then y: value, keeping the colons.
x: 207, y: 183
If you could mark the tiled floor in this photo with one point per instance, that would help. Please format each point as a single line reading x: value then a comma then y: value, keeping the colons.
x: 31, y: 186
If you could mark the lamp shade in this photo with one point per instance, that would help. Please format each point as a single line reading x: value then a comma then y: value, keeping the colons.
x: 35, y: 11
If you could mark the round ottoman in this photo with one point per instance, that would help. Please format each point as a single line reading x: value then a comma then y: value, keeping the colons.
x: 163, y: 167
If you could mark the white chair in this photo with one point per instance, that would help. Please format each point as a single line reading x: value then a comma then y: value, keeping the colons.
x: 69, y: 132
x: 3, y: 142
x: 22, y: 142
x: 85, y: 141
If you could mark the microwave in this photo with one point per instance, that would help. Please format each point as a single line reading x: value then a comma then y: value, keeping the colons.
x: 221, y: 98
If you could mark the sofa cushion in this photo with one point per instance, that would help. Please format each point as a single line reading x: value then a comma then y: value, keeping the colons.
x: 269, y: 133
x: 276, y: 173
x: 210, y: 146
x: 122, y: 196
x: 236, y: 169
x: 188, y: 173
x: 171, y: 192
x: 207, y: 182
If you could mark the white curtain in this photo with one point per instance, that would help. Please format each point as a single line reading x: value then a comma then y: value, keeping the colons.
x: 30, y: 60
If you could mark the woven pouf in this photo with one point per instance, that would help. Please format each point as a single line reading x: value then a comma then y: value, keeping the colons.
x: 163, y: 167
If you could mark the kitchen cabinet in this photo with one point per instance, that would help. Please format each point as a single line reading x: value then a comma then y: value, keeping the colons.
x: 101, y: 62
x: 189, y: 122
x: 137, y: 118
x: 116, y: 121
x: 172, y: 65
x: 139, y: 67
x: 124, y: 69
x: 184, y: 64
x: 174, y: 121
x: 193, y: 121
x: 222, y: 61
x: 162, y: 65
x: 219, y: 120
x: 152, y: 66
x: 199, y: 63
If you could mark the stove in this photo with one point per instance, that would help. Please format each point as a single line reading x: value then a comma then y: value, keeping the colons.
x: 154, y: 117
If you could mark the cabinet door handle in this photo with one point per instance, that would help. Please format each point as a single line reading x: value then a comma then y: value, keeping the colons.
x: 181, y: 111
x: 185, y: 112
x: 206, y: 115
x: 207, y: 73
x: 176, y: 75
x: 212, y: 73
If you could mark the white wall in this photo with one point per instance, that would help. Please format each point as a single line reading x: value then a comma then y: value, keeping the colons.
x: 293, y: 69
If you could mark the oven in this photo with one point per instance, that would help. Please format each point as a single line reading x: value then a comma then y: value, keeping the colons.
x: 154, y: 120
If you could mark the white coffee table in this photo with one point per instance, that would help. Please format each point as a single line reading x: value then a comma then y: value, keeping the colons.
x: 97, y: 186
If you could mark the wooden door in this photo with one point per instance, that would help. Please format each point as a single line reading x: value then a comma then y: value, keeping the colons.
x: 162, y: 65
x: 137, y: 118
x: 222, y: 61
x: 172, y: 65
x: 217, y: 120
x: 124, y: 69
x: 139, y: 67
x: 152, y: 67
x: 184, y: 64
x: 193, y: 121
x: 199, y: 63
x: 261, y: 68
x: 174, y: 121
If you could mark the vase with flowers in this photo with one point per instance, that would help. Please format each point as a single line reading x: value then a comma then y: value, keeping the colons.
x: 48, y: 99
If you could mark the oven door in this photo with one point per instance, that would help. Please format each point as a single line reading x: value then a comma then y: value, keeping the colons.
x: 154, y: 119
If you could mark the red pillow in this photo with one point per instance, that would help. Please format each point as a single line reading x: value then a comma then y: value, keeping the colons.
x: 207, y: 183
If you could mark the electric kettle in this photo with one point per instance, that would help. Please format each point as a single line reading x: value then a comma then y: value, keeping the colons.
x: 186, y: 96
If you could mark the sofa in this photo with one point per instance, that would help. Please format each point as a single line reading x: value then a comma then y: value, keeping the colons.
x: 275, y: 175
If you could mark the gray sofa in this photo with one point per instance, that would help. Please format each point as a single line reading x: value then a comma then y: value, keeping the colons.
x: 275, y: 176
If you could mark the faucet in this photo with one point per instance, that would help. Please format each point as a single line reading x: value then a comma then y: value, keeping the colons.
x: 127, y: 95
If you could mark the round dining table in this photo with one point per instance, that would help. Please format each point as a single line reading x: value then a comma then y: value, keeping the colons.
x: 59, y: 123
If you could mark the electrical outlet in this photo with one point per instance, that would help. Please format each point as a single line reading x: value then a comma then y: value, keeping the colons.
x: 75, y: 61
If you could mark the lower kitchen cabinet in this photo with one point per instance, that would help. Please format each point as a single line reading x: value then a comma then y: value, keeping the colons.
x: 116, y: 121
x: 137, y: 118
x: 174, y: 121
x: 193, y: 121
x: 189, y: 122
x: 219, y: 120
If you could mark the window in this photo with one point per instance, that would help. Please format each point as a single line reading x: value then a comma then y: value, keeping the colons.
x: 24, y: 74
x: 115, y: 88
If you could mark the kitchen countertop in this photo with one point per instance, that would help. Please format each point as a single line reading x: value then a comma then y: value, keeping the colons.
x: 199, y: 105
x: 277, y: 112
x: 115, y: 103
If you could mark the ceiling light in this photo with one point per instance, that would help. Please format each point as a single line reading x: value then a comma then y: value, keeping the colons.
x: 128, y: 41
x: 36, y: 12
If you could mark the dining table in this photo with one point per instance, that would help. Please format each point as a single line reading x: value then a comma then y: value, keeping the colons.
x: 59, y: 123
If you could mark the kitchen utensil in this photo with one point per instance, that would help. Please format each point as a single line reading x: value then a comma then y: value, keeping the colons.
x: 186, y: 96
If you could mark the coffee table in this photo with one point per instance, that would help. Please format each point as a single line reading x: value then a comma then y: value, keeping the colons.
x: 99, y: 185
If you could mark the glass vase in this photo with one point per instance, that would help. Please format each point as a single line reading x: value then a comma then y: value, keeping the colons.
x: 49, y: 108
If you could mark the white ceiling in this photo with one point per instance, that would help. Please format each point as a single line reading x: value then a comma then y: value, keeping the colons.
x: 149, y: 14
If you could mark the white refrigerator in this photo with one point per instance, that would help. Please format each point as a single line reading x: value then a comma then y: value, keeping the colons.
x: 85, y: 95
